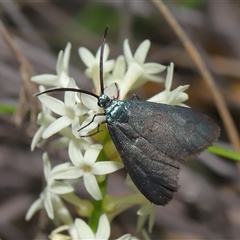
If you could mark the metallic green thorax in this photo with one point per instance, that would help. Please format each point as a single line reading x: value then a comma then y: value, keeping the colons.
x: 115, y: 110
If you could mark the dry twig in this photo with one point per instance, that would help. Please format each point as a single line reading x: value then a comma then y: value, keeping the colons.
x: 26, y: 100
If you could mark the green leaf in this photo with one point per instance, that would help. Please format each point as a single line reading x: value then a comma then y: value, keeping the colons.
x: 7, y: 109
x: 225, y: 153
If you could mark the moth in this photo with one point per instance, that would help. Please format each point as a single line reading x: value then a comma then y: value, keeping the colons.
x: 152, y: 137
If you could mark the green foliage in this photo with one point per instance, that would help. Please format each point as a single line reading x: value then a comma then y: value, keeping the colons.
x: 225, y: 153
x: 192, y: 3
x: 7, y: 109
x: 96, y: 15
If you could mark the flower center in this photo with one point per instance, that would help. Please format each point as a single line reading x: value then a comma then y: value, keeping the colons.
x: 70, y: 113
x: 87, y: 168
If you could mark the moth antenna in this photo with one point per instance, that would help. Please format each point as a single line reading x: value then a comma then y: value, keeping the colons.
x: 67, y: 90
x: 101, y: 59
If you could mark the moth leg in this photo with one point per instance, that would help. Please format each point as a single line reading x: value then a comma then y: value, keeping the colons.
x: 96, y: 115
x: 134, y: 97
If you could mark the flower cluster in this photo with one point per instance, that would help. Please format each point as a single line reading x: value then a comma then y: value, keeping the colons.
x: 87, y: 161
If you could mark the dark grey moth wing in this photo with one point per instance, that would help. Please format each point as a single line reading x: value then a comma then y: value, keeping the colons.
x: 151, y: 143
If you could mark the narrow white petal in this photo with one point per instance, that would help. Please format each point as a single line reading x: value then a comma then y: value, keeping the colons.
x: 75, y: 154
x: 89, y: 127
x: 59, y: 62
x: 119, y: 68
x: 108, y: 66
x: 83, y: 230
x: 60, y: 167
x: 37, y: 205
x: 52, y: 103
x: 45, y: 79
x: 66, y: 56
x: 86, y: 56
x: 37, y: 137
x: 46, y: 166
x: 92, y: 153
x: 169, y: 77
x: 153, y: 68
x: 141, y: 52
x: 69, y: 97
x: 129, y: 79
x: 68, y: 173
x: 91, y: 185
x: 90, y: 102
x: 103, y: 231
x: 48, y: 205
x: 80, y: 109
x: 127, y: 51
x: 56, y: 126
x: 60, y: 188
x: 106, y: 52
x: 106, y: 167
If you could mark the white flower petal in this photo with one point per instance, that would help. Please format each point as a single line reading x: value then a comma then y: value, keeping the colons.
x: 141, y: 52
x: 153, y: 68
x: 48, y: 205
x: 90, y: 102
x: 83, y: 230
x: 169, y: 77
x: 86, y: 56
x: 92, y: 153
x: 119, y: 68
x: 59, y: 168
x: 60, y: 188
x: 69, y: 97
x: 108, y: 66
x: 129, y: 79
x: 45, y: 79
x: 69, y: 173
x: 37, y: 137
x: 103, y: 231
x: 36, y: 206
x: 52, y: 103
x: 59, y: 62
x: 127, y: 51
x: 91, y: 126
x: 56, y: 126
x: 46, y: 166
x: 66, y: 56
x: 75, y: 154
x: 80, y: 109
x: 106, y: 52
x: 106, y: 167
x: 91, y: 186
x: 153, y: 78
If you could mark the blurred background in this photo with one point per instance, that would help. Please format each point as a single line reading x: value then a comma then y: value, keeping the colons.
x: 207, y: 205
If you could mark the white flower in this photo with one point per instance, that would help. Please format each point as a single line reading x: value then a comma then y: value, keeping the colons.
x: 127, y: 236
x: 85, y: 233
x: 92, y: 63
x: 87, y: 167
x: 44, y: 119
x: 49, y: 197
x: 61, y: 79
x: 148, y: 210
x: 117, y: 73
x: 175, y: 97
x: 138, y: 72
x: 70, y: 111
x: 56, y: 235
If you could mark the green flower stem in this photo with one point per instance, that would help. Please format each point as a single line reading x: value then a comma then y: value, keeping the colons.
x: 98, y: 210
x: 114, y: 206
x: 85, y: 207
